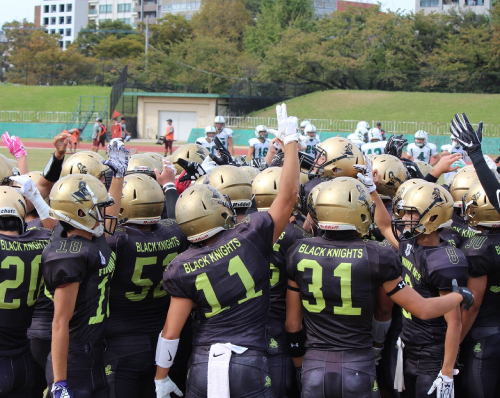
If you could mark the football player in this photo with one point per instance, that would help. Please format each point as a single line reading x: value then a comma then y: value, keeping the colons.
x: 77, y: 267
x: 189, y: 152
x: 310, y: 140
x: 225, y: 274
x: 429, y: 266
x: 480, y: 351
x: 303, y: 125
x: 359, y: 137
x: 85, y: 162
x: 224, y: 133
x: 208, y: 141
x: 144, y: 246
x: 375, y: 145
x: 454, y: 147
x: 258, y: 147
x: 421, y: 149
x: 333, y: 282
x: 142, y: 163
x: 265, y: 189
x: 21, y: 277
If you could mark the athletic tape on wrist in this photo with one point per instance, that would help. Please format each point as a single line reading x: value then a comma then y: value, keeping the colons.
x: 165, y: 352
x: 380, y: 329
x: 168, y: 185
x: 52, y: 171
x: 41, y: 207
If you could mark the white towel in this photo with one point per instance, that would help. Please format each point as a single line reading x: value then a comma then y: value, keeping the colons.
x: 399, y: 380
x: 218, y: 369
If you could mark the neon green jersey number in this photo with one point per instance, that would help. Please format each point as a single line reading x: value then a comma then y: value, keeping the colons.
x: 35, y: 288
x: 236, y: 267
x: 18, y: 264
x: 99, y: 316
x: 407, y: 314
x: 343, y: 271
x: 159, y: 291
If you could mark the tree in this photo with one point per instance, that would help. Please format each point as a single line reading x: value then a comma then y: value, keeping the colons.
x: 127, y: 47
x: 168, y: 31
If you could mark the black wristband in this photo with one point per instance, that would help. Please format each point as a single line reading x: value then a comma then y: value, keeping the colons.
x: 52, y: 171
x: 296, y: 342
x: 430, y: 178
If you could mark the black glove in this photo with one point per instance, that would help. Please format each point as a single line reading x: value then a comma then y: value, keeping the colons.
x: 412, y: 169
x: 395, y: 145
x: 465, y: 134
x: 259, y: 163
x: 224, y: 155
x: 468, y: 297
x: 241, y: 161
x: 278, y: 159
x: 193, y: 170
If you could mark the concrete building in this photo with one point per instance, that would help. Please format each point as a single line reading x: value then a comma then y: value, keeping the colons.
x: 101, y: 10
x: 147, y: 10
x: 38, y: 10
x: 443, y: 6
x: 64, y: 18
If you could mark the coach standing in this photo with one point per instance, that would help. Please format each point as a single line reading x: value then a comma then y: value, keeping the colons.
x: 169, y: 137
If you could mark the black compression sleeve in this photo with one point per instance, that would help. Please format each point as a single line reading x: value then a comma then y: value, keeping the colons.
x: 488, y: 180
x: 429, y: 177
x: 171, y: 197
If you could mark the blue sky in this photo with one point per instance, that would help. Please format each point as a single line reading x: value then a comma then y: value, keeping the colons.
x: 19, y: 9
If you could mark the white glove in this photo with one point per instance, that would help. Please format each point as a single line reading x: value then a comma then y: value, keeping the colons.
x: 287, y: 126
x: 166, y: 386
x: 365, y: 174
x: 166, y: 163
x: 118, y: 157
x: 444, y: 386
x: 28, y: 189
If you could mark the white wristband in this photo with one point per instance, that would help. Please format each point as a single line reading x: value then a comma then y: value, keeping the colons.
x: 165, y: 352
x: 168, y: 185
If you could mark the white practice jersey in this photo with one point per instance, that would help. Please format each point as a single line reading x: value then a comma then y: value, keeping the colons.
x: 209, y: 146
x: 373, y: 148
x: 260, y: 148
x: 224, y: 135
x: 308, y: 144
x: 354, y: 138
x: 451, y: 150
x: 423, y: 154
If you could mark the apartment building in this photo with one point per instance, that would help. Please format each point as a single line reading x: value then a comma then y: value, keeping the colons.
x: 64, y: 18
x: 443, y: 6
x: 101, y: 10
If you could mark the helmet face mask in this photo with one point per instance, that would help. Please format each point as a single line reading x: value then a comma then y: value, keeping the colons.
x: 427, y: 207
x: 420, y: 138
x: 219, y: 123
x: 478, y: 210
x: 210, y: 133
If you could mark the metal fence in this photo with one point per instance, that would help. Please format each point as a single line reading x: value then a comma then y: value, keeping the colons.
x: 35, y: 116
x: 346, y: 126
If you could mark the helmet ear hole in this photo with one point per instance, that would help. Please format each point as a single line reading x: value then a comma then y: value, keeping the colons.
x: 135, y: 194
x: 363, y: 217
x: 81, y: 213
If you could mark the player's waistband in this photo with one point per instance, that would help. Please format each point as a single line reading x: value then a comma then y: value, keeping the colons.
x: 87, y: 347
x: 350, y: 355
x: 201, y: 349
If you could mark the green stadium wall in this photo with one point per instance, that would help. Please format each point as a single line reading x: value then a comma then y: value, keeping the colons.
x: 38, y: 130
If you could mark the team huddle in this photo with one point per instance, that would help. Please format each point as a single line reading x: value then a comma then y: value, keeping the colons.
x: 307, y: 269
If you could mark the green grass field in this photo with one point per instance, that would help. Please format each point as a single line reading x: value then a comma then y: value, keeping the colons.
x: 385, y: 105
x: 46, y: 98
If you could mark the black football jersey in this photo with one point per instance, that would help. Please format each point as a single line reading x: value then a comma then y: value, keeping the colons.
x: 462, y: 230
x: 228, y: 281
x: 429, y: 269
x: 292, y: 233
x: 483, y: 255
x: 138, y: 302
x: 20, y: 285
x: 338, y: 283
x: 90, y: 263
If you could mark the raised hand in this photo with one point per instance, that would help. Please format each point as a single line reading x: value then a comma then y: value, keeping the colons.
x: 193, y: 170
x: 288, y: 126
x: 14, y: 144
x: 465, y: 134
x: 395, y: 145
x: 365, y: 174
x: 118, y: 158
x: 224, y: 155
x: 61, y: 142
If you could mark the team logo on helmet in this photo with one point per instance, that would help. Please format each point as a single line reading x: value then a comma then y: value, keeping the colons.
x: 82, y: 168
x: 476, y: 197
x: 393, y: 180
x: 82, y: 194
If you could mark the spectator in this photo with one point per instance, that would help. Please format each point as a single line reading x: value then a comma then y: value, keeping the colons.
x: 379, y: 126
x: 98, y: 135
x: 74, y: 138
x: 169, y: 137
x: 126, y: 136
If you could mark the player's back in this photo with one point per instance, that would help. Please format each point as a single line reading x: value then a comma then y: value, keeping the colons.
x: 338, y: 283
x: 374, y: 148
x: 20, y: 284
x: 228, y: 281
x: 138, y: 302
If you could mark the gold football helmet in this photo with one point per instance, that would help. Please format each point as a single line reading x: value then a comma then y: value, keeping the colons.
x: 428, y: 207
x: 189, y: 152
x: 478, y: 210
x: 233, y: 182
x: 392, y: 174
x: 202, y: 211
x: 400, y: 192
x: 343, y: 204
x: 461, y: 183
x: 6, y: 170
x: 158, y: 157
x: 251, y: 172
x: 142, y: 200
x: 311, y: 201
x: 424, y: 167
x: 265, y: 187
x: 335, y: 157
x: 13, y: 204
x: 84, y: 162
x: 81, y: 201
x: 142, y: 163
